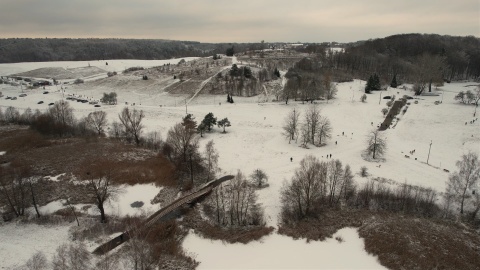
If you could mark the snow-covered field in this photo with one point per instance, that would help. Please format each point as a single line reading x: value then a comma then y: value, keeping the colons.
x: 255, y: 140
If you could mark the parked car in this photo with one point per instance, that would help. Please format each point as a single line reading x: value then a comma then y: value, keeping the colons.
x: 40, y: 102
x: 387, y: 97
x: 97, y: 105
x: 45, y: 92
x: 14, y: 98
x: 22, y: 95
x: 8, y: 98
x: 50, y: 104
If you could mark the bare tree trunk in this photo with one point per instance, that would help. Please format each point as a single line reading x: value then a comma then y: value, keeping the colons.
x: 33, y: 200
x: 103, y: 218
x: 73, y: 211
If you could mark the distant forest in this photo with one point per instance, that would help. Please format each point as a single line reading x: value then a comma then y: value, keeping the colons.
x: 421, y: 59
x: 14, y: 50
x: 405, y: 56
x: 458, y: 58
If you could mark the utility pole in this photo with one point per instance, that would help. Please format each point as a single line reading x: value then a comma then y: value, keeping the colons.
x: 186, y: 112
x: 429, y: 151
x: 380, y: 98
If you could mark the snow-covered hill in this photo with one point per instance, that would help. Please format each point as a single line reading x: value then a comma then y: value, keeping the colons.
x: 255, y: 140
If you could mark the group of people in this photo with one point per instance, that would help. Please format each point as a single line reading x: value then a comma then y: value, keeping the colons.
x: 471, y: 122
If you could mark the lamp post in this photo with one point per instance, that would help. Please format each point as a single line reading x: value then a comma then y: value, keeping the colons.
x: 429, y: 151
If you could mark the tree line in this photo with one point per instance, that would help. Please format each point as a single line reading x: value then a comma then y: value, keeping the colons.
x: 422, y: 60
x: 318, y: 186
x: 16, y: 50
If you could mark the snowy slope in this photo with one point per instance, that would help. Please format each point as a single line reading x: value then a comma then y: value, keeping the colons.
x: 255, y: 140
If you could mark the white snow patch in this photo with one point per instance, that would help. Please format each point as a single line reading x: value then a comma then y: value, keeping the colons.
x: 18, y: 242
x: 281, y: 252
x: 122, y: 205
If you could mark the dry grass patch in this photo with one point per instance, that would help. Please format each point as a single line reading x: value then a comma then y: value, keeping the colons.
x: 55, y: 156
x: 193, y: 220
x: 242, y: 235
x: 400, y: 242
x: 415, y: 243
x: 325, y: 226
x: 19, y: 138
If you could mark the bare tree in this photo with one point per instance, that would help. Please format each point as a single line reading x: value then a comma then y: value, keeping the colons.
x: 211, y: 160
x: 312, y: 118
x: 37, y: 262
x: 138, y: 255
x: 132, y: 122
x: 97, y: 121
x: 100, y: 176
x: 329, y: 87
x: 11, y: 115
x: 259, y: 177
x: 291, y: 87
x: 305, y: 190
x: 347, y: 186
x: 429, y: 69
x: 376, y: 144
x: 14, y: 186
x: 117, y: 130
x: 31, y: 182
x: 235, y: 203
x: 291, y: 125
x: 182, y: 139
x: 62, y: 115
x: 335, y: 174
x: 71, y: 257
x: 463, y: 182
x: 305, y: 134
x: 324, y: 130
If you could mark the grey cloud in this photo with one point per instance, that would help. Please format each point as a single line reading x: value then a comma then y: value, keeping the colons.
x: 248, y: 20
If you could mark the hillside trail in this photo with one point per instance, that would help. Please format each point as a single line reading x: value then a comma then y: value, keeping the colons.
x: 202, y: 85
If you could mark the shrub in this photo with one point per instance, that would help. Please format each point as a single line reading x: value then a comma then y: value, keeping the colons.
x: 130, y: 69
x: 384, y: 111
x: 78, y: 81
x: 363, y: 171
x: 363, y: 98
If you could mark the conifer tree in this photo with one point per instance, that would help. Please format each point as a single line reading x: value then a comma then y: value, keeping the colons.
x: 394, y: 84
x: 209, y: 121
x: 376, y: 82
x: 369, y: 85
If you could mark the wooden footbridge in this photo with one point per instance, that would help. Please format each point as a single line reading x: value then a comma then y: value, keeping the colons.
x: 157, y: 216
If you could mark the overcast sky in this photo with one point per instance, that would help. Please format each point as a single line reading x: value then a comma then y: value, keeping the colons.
x: 238, y: 20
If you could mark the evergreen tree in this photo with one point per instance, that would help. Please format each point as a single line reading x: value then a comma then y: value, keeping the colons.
x: 231, y: 99
x: 189, y: 123
x: 201, y: 128
x: 230, y: 51
x: 376, y: 82
x: 394, y: 84
x: 209, y: 121
x: 276, y: 73
x: 369, y: 86
x: 228, y: 98
x: 234, y: 71
x: 247, y: 72
x: 224, y: 123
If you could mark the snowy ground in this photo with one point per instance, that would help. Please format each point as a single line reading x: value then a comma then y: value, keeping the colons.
x: 18, y: 242
x: 255, y: 140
